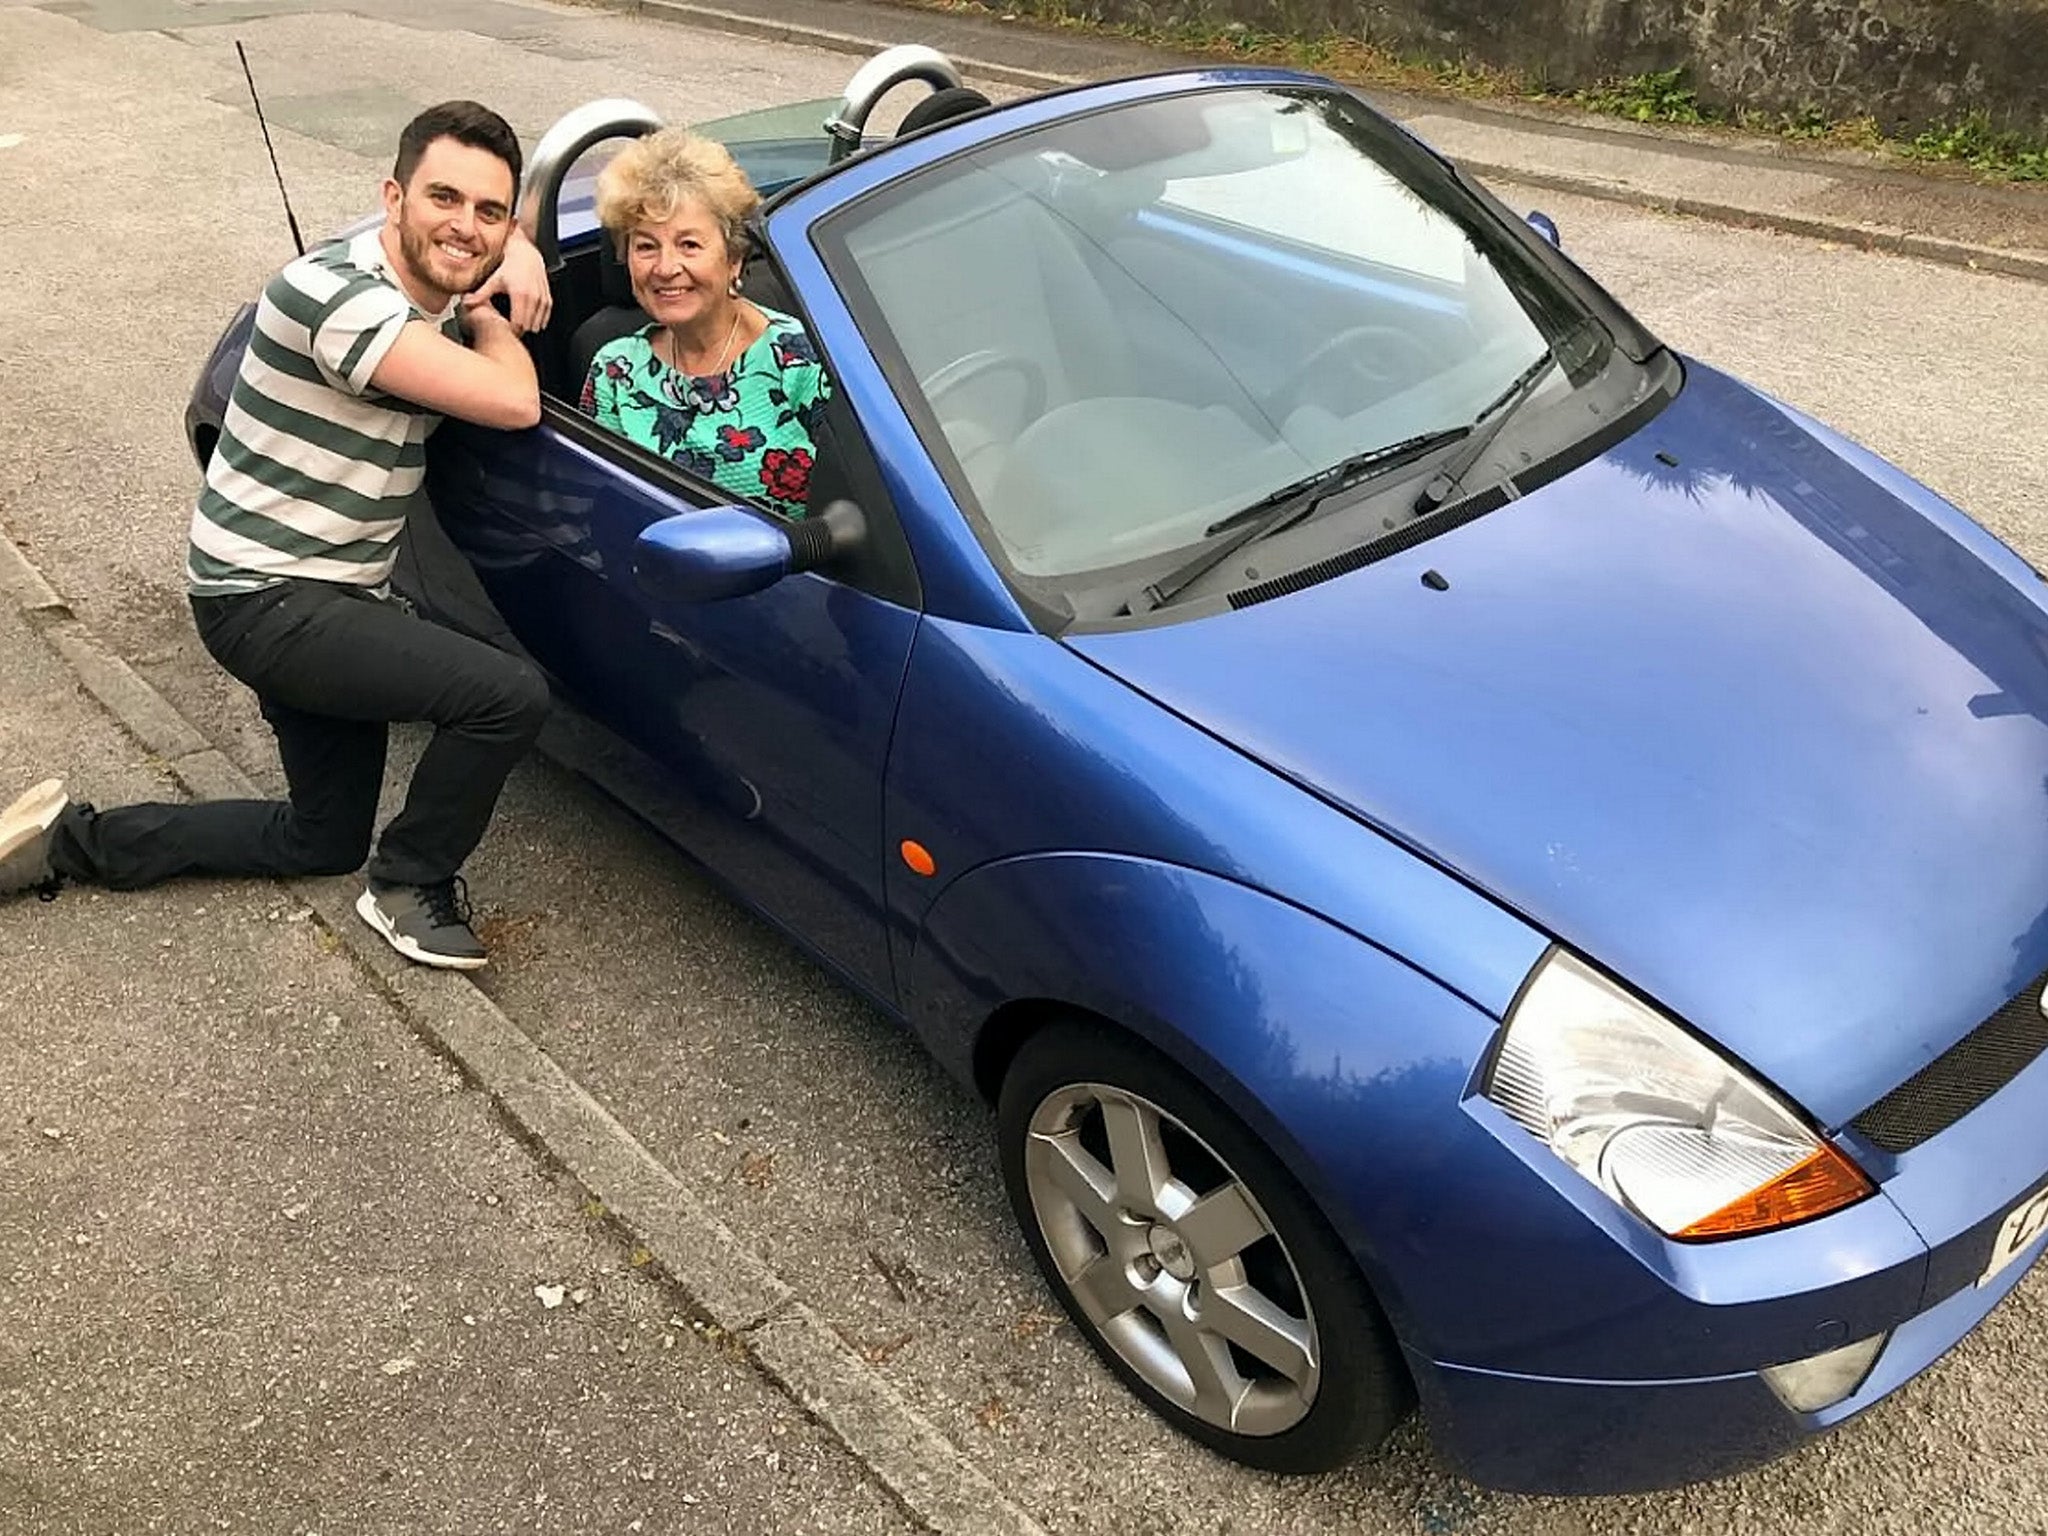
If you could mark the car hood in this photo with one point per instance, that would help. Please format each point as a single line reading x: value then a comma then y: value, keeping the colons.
x: 1723, y: 709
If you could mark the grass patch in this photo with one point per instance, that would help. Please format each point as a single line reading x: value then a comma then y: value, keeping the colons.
x: 1659, y: 96
x: 1341, y: 58
x: 1972, y: 141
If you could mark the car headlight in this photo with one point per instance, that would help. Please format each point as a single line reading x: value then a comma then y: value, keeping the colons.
x: 1654, y: 1117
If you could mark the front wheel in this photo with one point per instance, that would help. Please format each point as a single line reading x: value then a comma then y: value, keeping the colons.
x: 1189, y: 1258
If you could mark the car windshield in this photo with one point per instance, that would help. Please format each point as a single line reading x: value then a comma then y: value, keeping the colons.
x: 1117, y: 331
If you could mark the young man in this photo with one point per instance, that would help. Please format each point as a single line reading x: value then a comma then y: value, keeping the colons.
x: 360, y: 346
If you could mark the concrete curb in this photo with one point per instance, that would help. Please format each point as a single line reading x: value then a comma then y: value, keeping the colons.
x: 733, y: 1288
x: 713, y: 19
x: 24, y: 586
x: 1865, y: 237
x: 1957, y: 253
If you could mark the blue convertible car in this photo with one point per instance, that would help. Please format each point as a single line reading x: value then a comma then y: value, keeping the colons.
x: 1479, y: 859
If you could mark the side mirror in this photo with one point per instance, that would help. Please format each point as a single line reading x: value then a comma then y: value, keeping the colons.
x: 1546, y: 226
x: 721, y: 552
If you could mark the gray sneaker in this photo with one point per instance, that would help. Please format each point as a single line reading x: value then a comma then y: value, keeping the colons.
x: 426, y: 923
x: 25, y: 838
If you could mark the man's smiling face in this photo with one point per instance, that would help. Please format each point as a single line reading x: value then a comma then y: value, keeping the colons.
x: 452, y: 218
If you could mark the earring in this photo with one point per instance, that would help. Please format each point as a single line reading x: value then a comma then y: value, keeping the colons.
x: 734, y: 290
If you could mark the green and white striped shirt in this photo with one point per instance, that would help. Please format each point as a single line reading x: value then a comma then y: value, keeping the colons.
x: 315, y: 469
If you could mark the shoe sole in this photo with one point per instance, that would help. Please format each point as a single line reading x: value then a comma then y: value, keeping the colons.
x: 31, y: 816
x: 366, y: 909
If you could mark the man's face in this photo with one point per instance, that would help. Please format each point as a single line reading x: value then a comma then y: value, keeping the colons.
x: 452, y: 217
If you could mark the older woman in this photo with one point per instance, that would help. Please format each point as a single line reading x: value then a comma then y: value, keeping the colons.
x: 720, y: 385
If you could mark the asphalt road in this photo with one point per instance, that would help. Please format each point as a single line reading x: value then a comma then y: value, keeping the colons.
x: 142, y: 211
x: 269, y: 1266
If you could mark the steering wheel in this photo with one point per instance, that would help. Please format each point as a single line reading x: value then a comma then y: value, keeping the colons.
x: 1382, y: 355
x: 977, y: 365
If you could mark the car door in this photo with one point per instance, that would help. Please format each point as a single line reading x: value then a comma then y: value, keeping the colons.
x: 771, y: 713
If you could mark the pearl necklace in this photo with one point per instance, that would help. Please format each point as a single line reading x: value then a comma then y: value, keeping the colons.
x: 675, y: 349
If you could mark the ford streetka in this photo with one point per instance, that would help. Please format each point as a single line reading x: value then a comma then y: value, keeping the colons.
x: 1480, y: 860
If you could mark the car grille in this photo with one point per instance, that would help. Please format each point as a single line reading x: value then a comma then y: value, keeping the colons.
x: 1962, y: 1077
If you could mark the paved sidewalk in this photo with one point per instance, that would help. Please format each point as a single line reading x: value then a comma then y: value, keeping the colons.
x: 1842, y: 196
x: 272, y: 1264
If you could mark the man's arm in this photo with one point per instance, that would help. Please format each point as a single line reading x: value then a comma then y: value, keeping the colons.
x: 523, y: 278
x: 490, y: 382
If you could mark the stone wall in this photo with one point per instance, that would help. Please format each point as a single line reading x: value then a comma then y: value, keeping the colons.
x: 1908, y: 63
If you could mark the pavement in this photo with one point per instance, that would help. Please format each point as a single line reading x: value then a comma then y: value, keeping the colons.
x: 298, y: 1238
x: 266, y: 1241
x: 1846, y: 196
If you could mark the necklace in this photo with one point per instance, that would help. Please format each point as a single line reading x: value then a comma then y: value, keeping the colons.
x: 675, y: 349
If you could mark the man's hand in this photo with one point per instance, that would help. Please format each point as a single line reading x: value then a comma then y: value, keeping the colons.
x: 523, y: 278
x: 480, y: 320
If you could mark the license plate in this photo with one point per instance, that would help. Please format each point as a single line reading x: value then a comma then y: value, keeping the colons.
x: 2023, y: 1224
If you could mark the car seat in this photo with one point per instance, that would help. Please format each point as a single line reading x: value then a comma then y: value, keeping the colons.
x: 942, y: 107
x: 618, y: 314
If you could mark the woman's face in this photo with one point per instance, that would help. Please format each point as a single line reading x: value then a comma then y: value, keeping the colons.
x: 681, y: 269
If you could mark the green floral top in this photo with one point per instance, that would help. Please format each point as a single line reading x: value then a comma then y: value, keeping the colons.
x: 749, y: 429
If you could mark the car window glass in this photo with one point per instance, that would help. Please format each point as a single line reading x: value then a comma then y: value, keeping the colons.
x: 1118, y: 329
x: 798, y: 120
x: 1382, y: 222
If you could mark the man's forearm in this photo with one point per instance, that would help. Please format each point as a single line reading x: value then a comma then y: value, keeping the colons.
x: 490, y: 381
x: 501, y: 348
x: 500, y: 345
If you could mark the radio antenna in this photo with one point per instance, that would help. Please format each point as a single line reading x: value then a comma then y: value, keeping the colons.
x: 290, y: 222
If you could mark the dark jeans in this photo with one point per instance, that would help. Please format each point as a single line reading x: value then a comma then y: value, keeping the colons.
x: 331, y: 665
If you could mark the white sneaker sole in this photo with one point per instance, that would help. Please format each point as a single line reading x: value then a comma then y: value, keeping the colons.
x: 367, y: 910
x: 31, y: 816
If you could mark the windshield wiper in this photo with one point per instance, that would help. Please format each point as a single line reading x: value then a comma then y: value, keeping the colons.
x: 1279, y: 510
x: 1486, y: 426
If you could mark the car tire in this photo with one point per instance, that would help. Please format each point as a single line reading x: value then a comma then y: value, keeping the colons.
x: 1190, y: 1259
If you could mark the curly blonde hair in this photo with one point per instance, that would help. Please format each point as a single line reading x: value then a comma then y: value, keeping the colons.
x: 647, y: 181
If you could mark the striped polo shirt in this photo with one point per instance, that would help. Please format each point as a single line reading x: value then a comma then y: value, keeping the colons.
x: 314, y: 468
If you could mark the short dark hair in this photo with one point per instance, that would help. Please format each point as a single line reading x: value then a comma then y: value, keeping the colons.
x: 466, y: 122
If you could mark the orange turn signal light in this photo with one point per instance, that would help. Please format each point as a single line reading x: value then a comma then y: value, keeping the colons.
x: 1825, y: 1181
x: 918, y: 857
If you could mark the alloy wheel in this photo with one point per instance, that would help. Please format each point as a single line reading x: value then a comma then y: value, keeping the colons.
x: 1172, y: 1259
